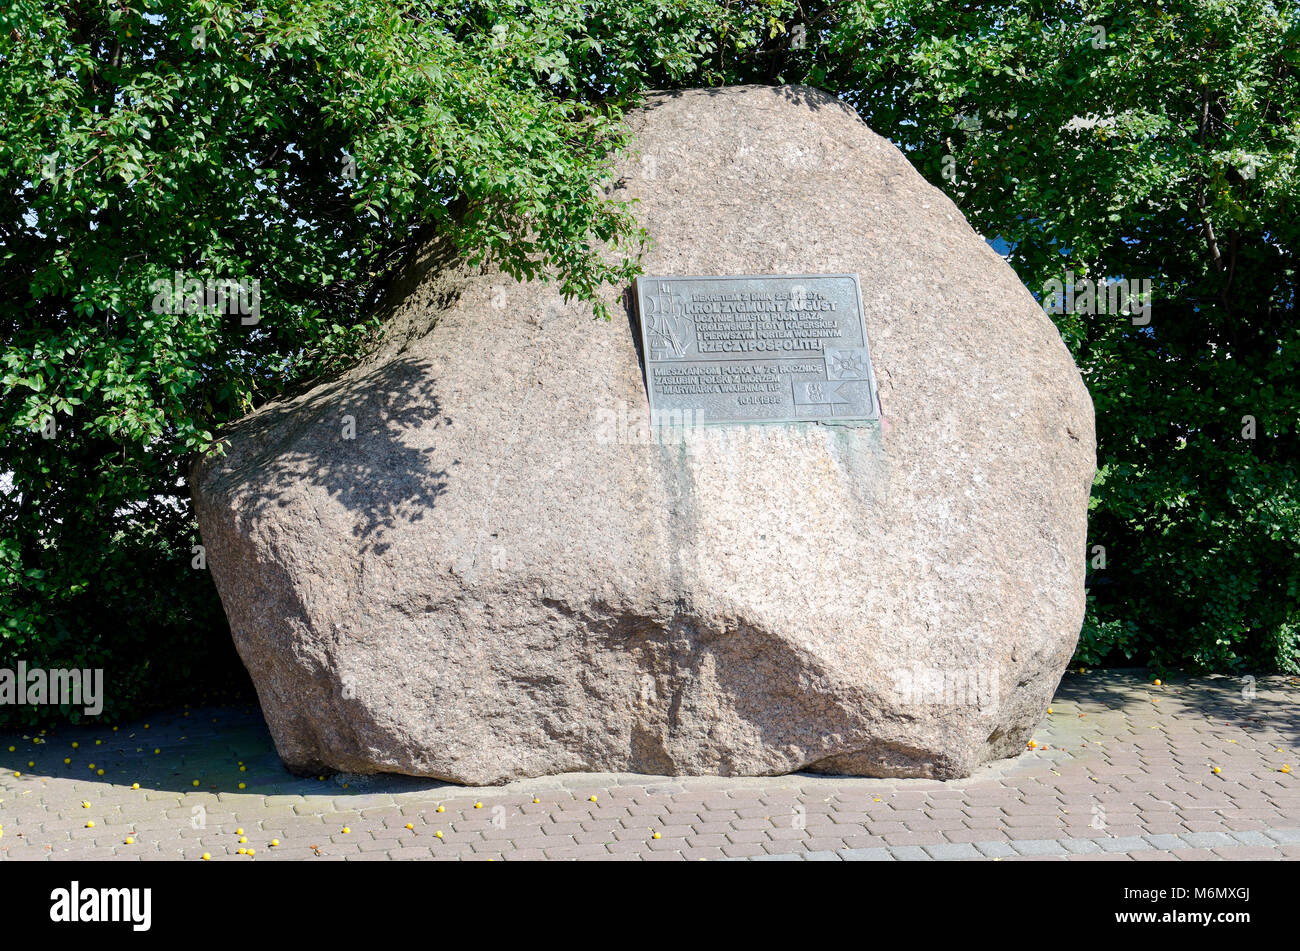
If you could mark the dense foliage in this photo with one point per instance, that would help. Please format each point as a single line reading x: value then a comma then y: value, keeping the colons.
x: 297, y: 148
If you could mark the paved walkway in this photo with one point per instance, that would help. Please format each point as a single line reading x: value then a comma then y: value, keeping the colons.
x: 1123, y: 770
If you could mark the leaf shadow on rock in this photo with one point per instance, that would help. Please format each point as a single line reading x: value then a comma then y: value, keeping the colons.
x: 355, y: 438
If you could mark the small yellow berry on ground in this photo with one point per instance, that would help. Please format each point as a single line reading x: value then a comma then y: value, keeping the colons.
x: 478, y: 805
x: 99, y: 772
x: 239, y: 832
x: 243, y: 769
x: 1157, y: 683
x: 195, y: 783
x: 1032, y: 745
x: 243, y: 851
x: 410, y: 825
x: 440, y: 809
x: 66, y: 761
x: 243, y: 839
x: 85, y: 804
x: 655, y: 836
x: 75, y: 745
x: 92, y: 766
x: 252, y: 851
x: 438, y: 833
x: 241, y: 785
x: 1286, y: 768
x: 99, y: 742
x: 535, y: 799
x: 1049, y: 709
x: 129, y: 841
x: 346, y: 830
x: 135, y: 785
x: 90, y: 824
x: 274, y: 843
x: 156, y: 751
x: 1216, y: 770
x: 591, y: 799
x: 207, y: 856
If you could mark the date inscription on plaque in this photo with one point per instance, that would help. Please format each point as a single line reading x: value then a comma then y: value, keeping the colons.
x: 763, y: 349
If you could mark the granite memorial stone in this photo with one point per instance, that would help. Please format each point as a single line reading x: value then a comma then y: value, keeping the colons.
x: 474, y: 556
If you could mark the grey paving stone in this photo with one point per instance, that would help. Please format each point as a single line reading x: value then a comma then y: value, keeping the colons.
x: 1208, y: 840
x: 1038, y: 847
x: 1123, y: 843
x: 996, y: 850
x: 1253, y: 838
x: 953, y: 850
x: 867, y: 855
x: 1285, y: 836
x: 1167, y: 841
x: 909, y: 853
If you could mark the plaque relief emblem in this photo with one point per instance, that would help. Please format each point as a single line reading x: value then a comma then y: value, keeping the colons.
x: 668, y: 328
x: 779, y: 349
x: 847, y: 364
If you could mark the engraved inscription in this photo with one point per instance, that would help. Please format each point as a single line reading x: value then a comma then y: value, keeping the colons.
x: 757, y: 349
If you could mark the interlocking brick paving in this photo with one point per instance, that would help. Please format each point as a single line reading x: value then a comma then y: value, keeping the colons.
x: 1122, y: 770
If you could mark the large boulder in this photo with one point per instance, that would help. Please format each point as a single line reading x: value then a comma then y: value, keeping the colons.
x: 507, y: 573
